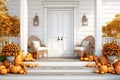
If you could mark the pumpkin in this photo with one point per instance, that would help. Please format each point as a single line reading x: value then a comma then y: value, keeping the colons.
x: 90, y: 57
x: 21, y: 71
x: 7, y: 63
x: 18, y: 60
x: 2, y: 67
x: 15, y: 69
x: 96, y: 71
x: 81, y: 58
x: 8, y: 70
x: 110, y: 69
x: 95, y: 58
x: 117, y: 69
x: 103, y: 68
x: 98, y: 64
x: 86, y: 59
x: 103, y: 60
x: 3, y: 71
x: 102, y: 72
x: 116, y: 63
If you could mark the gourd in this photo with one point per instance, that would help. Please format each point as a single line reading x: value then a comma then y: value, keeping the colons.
x: 6, y: 63
x: 103, y: 60
x: 117, y: 69
x: 2, y: 67
x: 110, y: 69
x: 90, y: 57
x: 18, y: 60
x: 103, y: 68
x: 95, y: 58
x: 21, y: 71
x: 15, y: 69
x: 3, y: 71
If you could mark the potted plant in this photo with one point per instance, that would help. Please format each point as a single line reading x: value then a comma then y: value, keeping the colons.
x: 10, y: 50
x: 111, y: 50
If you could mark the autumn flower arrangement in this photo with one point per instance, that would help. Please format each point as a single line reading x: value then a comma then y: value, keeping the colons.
x: 111, y: 49
x: 9, y: 25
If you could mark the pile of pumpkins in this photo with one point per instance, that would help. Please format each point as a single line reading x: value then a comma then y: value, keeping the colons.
x: 17, y: 67
x: 103, y: 66
x: 29, y: 57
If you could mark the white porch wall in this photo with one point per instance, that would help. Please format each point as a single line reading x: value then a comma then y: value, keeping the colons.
x: 110, y: 8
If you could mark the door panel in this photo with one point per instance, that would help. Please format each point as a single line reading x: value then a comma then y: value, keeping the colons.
x: 60, y: 25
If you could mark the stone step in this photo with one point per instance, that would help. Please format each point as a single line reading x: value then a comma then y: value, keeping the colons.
x: 80, y: 63
x: 61, y: 70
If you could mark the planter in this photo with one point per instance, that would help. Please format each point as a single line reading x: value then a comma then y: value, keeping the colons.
x: 11, y: 58
x: 112, y: 58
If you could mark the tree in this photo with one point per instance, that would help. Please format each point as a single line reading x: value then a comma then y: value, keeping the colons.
x: 9, y: 25
x: 112, y: 29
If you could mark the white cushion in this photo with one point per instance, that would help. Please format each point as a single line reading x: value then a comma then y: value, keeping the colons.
x: 42, y: 48
x: 79, y: 48
x: 36, y: 44
x: 85, y: 43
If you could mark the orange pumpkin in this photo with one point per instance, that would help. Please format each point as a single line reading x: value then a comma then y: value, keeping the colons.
x: 2, y: 67
x: 15, y: 69
x: 21, y: 71
x: 90, y: 57
x: 116, y: 63
x: 3, y: 71
x: 6, y: 63
x: 18, y: 60
x: 103, y: 60
x: 117, y: 69
x: 110, y: 69
x: 103, y: 68
x: 95, y: 58
x: 96, y: 71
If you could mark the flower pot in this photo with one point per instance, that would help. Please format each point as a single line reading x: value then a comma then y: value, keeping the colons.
x: 11, y: 58
x: 112, y: 58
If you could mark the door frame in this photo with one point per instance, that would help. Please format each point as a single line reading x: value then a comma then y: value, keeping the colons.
x: 72, y: 31
x: 45, y: 25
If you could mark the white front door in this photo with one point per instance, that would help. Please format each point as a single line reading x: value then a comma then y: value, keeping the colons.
x: 60, y: 32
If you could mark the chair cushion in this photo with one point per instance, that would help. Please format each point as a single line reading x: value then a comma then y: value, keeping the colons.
x: 79, y: 48
x: 42, y: 48
x: 85, y: 43
x: 36, y: 44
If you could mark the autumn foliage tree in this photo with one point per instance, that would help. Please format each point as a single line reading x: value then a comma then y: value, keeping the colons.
x: 9, y: 25
x: 112, y: 29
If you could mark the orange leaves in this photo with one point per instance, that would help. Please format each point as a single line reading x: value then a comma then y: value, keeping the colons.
x: 111, y: 49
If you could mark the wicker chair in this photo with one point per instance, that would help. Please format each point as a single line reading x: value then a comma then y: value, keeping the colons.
x: 86, y: 46
x: 35, y: 46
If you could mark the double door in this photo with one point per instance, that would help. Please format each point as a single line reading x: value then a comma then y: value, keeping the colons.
x: 60, y: 32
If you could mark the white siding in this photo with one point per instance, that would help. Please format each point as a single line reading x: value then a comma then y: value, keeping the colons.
x: 14, y: 7
x: 110, y: 8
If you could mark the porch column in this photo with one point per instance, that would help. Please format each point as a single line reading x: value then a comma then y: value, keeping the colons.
x: 98, y: 27
x: 23, y: 26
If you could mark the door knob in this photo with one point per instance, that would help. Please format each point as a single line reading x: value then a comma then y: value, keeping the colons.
x: 58, y: 38
x: 62, y: 38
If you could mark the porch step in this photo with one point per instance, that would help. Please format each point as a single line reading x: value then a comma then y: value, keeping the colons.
x: 78, y: 63
x: 61, y: 70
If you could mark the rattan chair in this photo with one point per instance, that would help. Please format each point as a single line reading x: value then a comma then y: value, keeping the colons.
x: 87, y: 46
x: 36, y: 46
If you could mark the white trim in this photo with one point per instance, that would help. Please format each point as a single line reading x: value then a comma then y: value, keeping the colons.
x: 24, y: 26
x: 98, y: 27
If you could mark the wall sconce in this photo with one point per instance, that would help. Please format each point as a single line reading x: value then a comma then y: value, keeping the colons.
x: 84, y: 20
x: 36, y: 20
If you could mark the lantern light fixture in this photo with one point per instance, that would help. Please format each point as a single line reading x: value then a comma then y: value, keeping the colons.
x: 36, y: 20
x: 84, y: 20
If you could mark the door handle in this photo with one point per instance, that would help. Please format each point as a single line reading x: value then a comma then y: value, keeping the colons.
x: 58, y: 38
x: 62, y: 38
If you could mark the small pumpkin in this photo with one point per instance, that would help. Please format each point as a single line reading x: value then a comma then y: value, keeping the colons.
x: 7, y: 63
x: 2, y: 67
x: 117, y: 69
x: 110, y: 69
x: 95, y: 58
x: 103, y: 68
x: 103, y: 60
x: 15, y: 69
x: 90, y: 56
x: 116, y: 63
x: 96, y: 71
x: 21, y: 71
x: 86, y: 59
x: 81, y: 58
x: 3, y: 71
